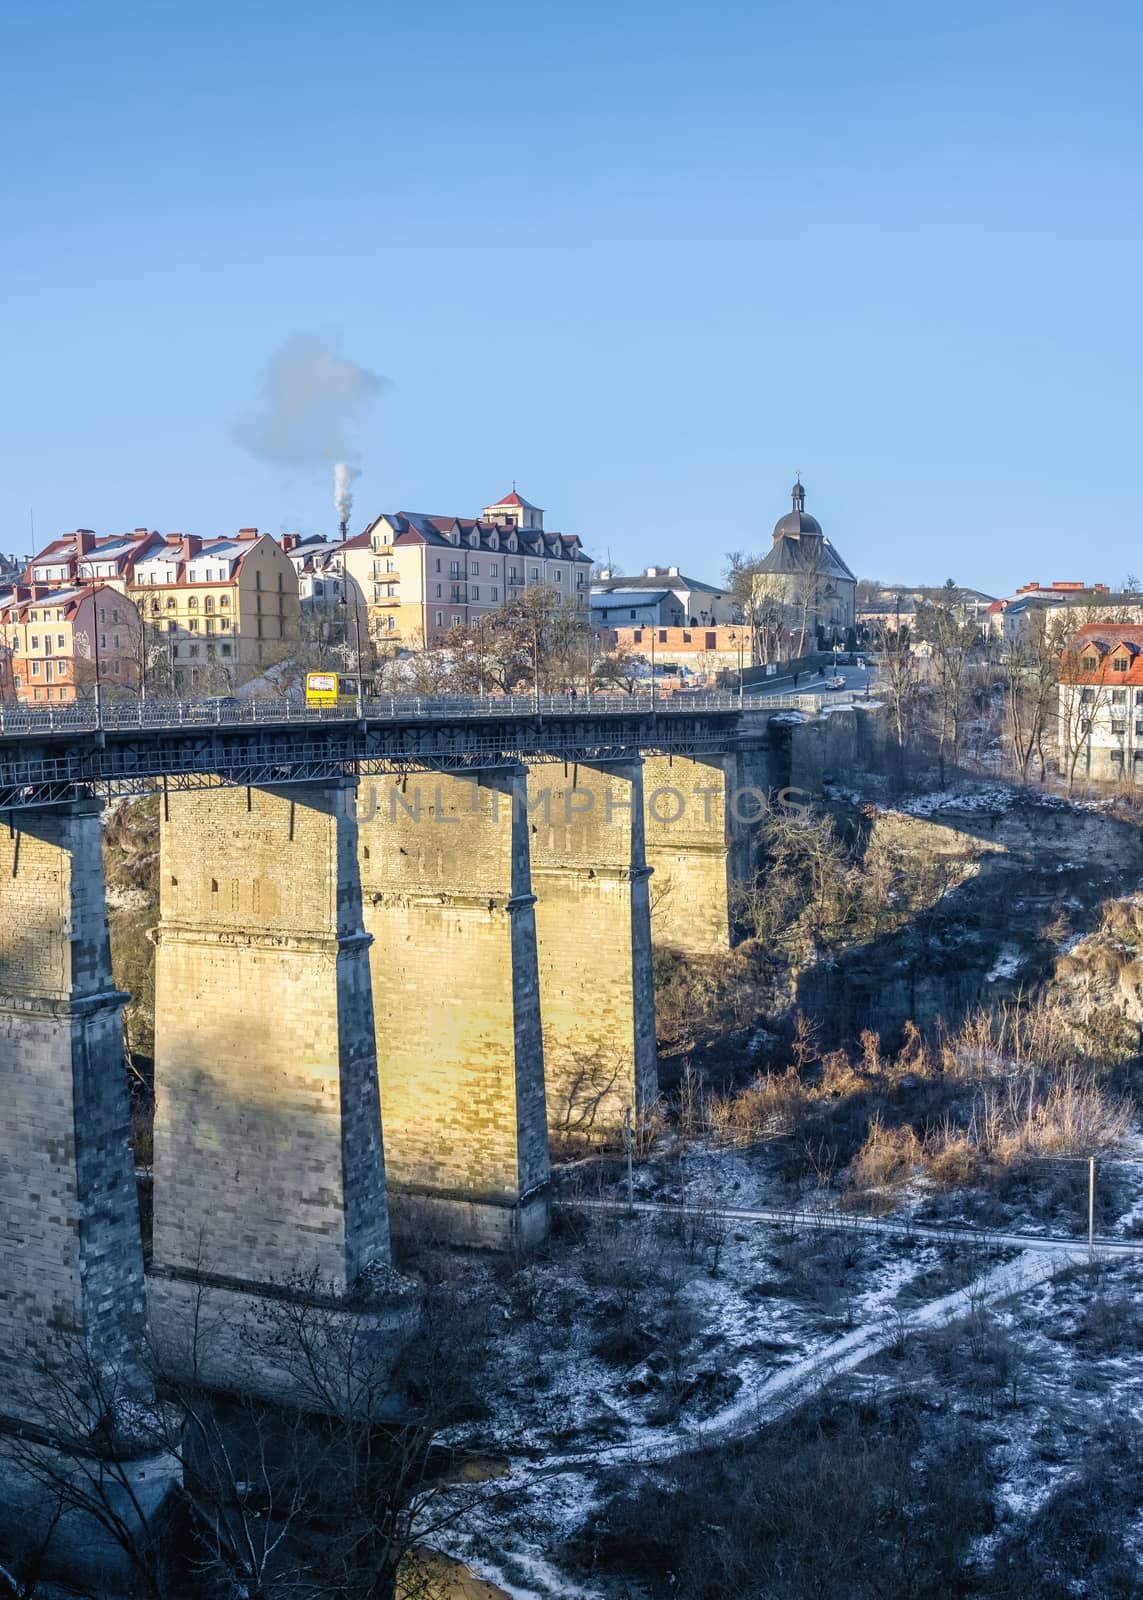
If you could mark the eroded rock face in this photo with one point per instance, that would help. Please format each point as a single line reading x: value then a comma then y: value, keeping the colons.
x: 1027, y: 878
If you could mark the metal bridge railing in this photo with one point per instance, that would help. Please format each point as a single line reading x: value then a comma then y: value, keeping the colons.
x: 18, y: 721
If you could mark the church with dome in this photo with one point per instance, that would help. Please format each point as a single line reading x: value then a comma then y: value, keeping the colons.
x: 803, y: 573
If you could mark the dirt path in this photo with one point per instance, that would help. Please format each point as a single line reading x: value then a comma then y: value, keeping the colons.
x: 1040, y: 1258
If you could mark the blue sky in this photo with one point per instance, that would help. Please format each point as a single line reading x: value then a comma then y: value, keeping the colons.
x: 646, y: 258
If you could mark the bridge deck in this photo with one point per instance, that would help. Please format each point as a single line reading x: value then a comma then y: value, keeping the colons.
x: 139, y: 747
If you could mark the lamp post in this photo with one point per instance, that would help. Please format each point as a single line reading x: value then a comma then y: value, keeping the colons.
x: 360, y: 700
x: 480, y: 621
x: 536, y: 664
x: 95, y: 646
x: 654, y: 631
x: 739, y: 638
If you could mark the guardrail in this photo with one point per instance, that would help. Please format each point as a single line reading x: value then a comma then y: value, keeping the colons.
x: 17, y: 721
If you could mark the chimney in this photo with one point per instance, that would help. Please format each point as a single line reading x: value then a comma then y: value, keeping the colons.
x: 248, y: 533
x: 672, y: 572
x: 290, y: 541
x: 84, y: 541
x: 343, y: 528
x: 140, y: 533
x: 192, y: 545
x: 175, y: 540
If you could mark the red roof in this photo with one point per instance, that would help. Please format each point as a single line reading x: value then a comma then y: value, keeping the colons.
x: 515, y: 499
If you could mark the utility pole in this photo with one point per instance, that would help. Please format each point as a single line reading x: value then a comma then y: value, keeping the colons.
x: 630, y: 1169
x: 1091, y: 1211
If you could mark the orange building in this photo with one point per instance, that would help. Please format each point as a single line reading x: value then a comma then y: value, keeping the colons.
x: 56, y: 642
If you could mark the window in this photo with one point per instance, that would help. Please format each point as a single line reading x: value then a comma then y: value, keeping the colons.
x: 1089, y: 663
x: 192, y: 602
x: 223, y: 600
x: 1116, y: 757
x: 474, y: 569
x: 438, y: 563
x: 535, y: 575
x: 440, y: 619
x: 438, y: 591
x: 494, y: 592
x: 1087, y: 697
x: 1119, y: 727
x: 224, y: 647
x: 192, y: 625
x: 1139, y: 731
x: 208, y: 603
x: 171, y: 627
x: 319, y: 590
x: 1119, y: 665
x: 513, y: 574
x: 34, y: 641
x: 60, y: 641
x: 474, y: 592
x: 494, y: 569
x: 170, y: 602
x: 559, y: 576
x: 1119, y: 697
x: 454, y: 569
x: 456, y: 622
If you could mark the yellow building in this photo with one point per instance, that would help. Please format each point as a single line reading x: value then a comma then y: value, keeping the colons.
x: 216, y: 612
x: 423, y: 575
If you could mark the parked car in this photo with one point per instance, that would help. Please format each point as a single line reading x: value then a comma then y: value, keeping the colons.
x: 835, y: 683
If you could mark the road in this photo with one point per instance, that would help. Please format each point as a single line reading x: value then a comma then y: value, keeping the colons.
x: 857, y: 679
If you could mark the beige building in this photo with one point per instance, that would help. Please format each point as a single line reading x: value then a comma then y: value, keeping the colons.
x: 803, y: 590
x: 423, y: 575
x: 216, y: 612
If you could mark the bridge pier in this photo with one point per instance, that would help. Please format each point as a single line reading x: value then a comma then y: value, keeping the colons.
x: 71, y: 1260
x: 448, y: 900
x: 593, y: 927
x: 702, y: 813
x: 269, y: 1171
x: 72, y: 1295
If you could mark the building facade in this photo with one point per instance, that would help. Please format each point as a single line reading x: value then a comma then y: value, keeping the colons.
x: 422, y: 575
x: 216, y: 612
x: 1101, y: 704
x: 56, y: 644
x: 803, y: 590
x: 659, y: 597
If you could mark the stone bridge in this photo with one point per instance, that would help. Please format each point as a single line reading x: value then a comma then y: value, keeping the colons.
x: 393, y: 956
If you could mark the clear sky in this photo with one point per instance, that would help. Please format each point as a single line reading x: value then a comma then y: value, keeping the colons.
x: 645, y: 257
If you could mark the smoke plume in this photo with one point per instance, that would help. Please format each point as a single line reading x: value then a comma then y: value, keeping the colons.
x: 343, y: 476
x: 309, y: 402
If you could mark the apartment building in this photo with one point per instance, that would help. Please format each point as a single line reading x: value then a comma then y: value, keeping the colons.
x: 216, y: 612
x: 327, y: 594
x: 56, y: 643
x: 1101, y: 703
x: 422, y: 575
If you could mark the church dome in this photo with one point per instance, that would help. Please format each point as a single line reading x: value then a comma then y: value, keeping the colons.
x: 797, y: 521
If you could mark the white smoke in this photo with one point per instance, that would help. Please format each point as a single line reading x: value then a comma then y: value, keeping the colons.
x: 343, y: 475
x: 310, y: 400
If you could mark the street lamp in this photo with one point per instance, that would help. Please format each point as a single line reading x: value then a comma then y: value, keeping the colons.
x: 357, y: 637
x: 480, y: 621
x: 739, y: 638
x: 95, y: 644
x: 654, y: 631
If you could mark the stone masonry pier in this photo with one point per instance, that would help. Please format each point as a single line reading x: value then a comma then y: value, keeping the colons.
x: 269, y: 1172
x: 702, y: 813
x: 593, y: 927
x: 71, y: 1261
x: 448, y: 901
